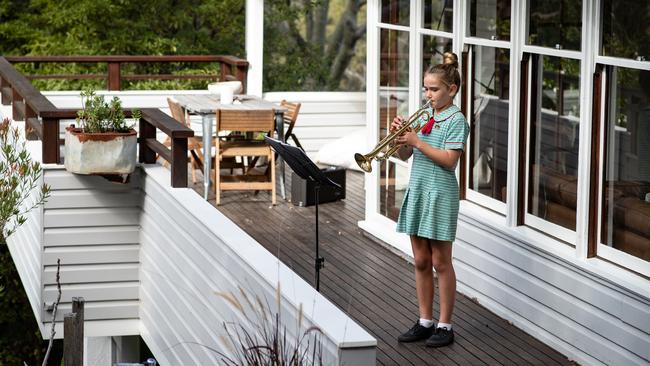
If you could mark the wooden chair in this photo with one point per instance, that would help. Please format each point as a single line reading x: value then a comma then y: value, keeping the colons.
x: 194, y: 144
x: 245, y: 121
x: 290, y: 117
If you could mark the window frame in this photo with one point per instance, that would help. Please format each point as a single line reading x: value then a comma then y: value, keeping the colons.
x: 601, y: 123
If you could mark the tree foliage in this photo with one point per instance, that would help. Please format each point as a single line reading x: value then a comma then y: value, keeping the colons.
x: 20, y: 339
x: 316, y: 45
x: 309, y: 44
x: 125, y: 27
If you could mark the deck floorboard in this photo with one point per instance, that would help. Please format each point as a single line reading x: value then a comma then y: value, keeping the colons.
x: 372, y: 284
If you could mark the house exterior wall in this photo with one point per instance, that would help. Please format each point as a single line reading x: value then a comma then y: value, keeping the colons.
x: 587, y: 316
x: 324, y: 116
x: 92, y: 226
x: 25, y: 246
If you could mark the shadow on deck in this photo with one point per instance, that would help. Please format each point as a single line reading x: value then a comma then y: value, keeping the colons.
x: 372, y: 284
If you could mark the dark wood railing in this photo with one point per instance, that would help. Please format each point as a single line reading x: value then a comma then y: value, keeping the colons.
x: 42, y: 119
x: 230, y: 67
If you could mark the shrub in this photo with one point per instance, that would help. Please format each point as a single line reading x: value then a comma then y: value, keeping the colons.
x: 20, y: 177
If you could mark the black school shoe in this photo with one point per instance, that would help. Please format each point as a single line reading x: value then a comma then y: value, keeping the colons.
x: 440, y: 338
x: 416, y: 333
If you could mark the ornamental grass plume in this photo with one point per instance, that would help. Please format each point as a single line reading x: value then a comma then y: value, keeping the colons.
x: 268, y: 342
x: 19, y: 178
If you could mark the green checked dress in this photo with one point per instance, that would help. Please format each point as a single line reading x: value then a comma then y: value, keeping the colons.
x: 430, y: 207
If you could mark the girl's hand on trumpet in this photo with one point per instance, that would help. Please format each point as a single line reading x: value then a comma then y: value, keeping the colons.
x: 406, y: 150
x: 408, y: 138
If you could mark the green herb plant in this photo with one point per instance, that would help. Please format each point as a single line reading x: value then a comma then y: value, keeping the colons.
x: 98, y: 116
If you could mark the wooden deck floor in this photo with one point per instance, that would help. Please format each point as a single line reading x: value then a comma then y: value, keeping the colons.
x: 373, y: 285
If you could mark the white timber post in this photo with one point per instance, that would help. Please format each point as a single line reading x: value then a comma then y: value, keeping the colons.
x: 255, y: 45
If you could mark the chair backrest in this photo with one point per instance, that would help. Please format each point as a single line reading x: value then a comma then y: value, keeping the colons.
x: 177, y: 111
x: 291, y: 115
x: 246, y: 120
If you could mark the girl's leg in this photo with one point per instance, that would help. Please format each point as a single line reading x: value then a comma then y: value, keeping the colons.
x: 424, y: 286
x: 423, y: 275
x: 441, y: 260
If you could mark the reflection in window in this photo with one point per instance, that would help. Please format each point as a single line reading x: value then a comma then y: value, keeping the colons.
x: 555, y: 23
x: 626, y: 176
x: 438, y: 15
x: 488, y: 151
x: 395, y: 12
x: 432, y: 50
x: 394, y: 180
x: 490, y: 19
x: 553, y: 140
x: 393, y: 101
x: 626, y: 30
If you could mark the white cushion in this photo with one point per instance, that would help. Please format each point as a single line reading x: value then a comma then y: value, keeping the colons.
x: 340, y: 152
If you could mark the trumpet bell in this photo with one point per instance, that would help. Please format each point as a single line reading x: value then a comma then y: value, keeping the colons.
x: 364, y: 163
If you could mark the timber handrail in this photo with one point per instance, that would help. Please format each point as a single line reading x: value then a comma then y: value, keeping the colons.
x: 43, y: 118
x: 231, y: 67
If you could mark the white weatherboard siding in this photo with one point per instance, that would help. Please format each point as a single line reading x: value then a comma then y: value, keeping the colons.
x: 324, y: 116
x: 587, y: 317
x: 25, y: 246
x: 92, y: 226
x: 191, y: 253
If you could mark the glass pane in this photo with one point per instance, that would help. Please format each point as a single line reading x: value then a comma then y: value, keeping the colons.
x: 625, y: 29
x: 554, y: 123
x: 626, y: 189
x: 438, y: 15
x: 396, y: 12
x: 432, y: 50
x: 394, y: 180
x: 555, y: 23
x: 488, y: 152
x: 394, y: 58
x: 393, y: 101
x: 490, y: 19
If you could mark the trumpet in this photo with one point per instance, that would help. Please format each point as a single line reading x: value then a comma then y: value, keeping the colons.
x: 378, y: 153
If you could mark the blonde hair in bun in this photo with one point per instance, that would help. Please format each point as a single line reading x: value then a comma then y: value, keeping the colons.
x: 447, y: 70
x: 450, y: 58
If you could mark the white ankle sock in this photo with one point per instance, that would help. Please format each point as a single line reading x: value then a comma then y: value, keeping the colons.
x: 444, y: 325
x: 427, y: 323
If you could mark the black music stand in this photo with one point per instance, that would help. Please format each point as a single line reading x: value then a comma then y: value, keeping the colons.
x: 306, y: 169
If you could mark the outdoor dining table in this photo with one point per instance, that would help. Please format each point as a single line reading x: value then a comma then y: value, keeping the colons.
x: 207, y: 106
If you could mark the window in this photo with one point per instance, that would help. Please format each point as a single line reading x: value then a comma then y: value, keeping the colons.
x: 625, y: 30
x: 625, y: 189
x: 490, y: 19
x: 555, y: 23
x: 488, y: 145
x: 395, y: 12
x: 553, y: 139
x: 393, y: 101
x: 432, y: 50
x: 438, y: 15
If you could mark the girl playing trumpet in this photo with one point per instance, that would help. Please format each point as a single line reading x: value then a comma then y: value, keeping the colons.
x: 429, y: 212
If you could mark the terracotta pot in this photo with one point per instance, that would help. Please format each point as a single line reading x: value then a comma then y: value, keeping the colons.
x: 100, y: 153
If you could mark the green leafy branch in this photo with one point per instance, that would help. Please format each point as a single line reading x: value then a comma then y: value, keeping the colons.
x: 20, y: 176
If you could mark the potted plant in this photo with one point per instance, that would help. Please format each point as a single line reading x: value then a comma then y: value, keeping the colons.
x: 102, y: 143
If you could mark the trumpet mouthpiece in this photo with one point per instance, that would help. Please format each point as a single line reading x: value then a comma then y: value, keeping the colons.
x: 363, y: 162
